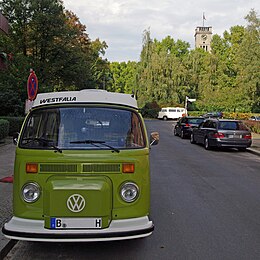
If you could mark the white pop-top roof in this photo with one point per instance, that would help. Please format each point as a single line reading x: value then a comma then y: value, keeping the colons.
x: 85, y: 96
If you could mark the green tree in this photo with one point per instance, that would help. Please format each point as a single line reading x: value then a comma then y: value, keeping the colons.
x: 248, y: 64
x: 162, y: 75
x: 123, y: 76
x: 51, y: 40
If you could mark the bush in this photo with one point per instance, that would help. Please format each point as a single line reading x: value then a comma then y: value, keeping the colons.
x: 15, y: 124
x: 254, y: 126
x: 149, y: 113
x: 150, y: 110
x: 4, y: 128
x: 196, y: 113
x: 11, y: 104
x: 239, y: 116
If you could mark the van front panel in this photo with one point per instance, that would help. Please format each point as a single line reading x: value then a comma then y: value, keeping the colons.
x: 74, y: 166
x: 92, y: 152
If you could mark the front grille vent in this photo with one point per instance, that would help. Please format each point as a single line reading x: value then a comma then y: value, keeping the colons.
x: 52, y: 168
x: 108, y: 168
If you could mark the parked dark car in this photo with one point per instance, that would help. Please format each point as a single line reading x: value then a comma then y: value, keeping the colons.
x: 184, y: 125
x: 222, y: 133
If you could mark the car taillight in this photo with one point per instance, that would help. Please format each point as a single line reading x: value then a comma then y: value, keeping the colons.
x: 248, y: 136
x: 218, y: 135
x: 188, y: 125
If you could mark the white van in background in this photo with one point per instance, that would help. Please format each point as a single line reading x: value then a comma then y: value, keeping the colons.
x: 171, y: 113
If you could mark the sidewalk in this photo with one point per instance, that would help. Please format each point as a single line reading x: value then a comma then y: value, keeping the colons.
x: 7, y: 154
x: 255, y: 147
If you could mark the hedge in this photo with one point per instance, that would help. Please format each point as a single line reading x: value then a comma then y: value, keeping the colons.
x: 15, y: 124
x: 149, y: 113
x: 253, y: 125
x: 4, y: 128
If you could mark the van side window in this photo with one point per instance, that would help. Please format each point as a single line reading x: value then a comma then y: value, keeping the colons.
x: 136, y: 132
x: 43, y: 125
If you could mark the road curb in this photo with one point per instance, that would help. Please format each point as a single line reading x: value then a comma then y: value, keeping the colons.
x: 7, y: 248
x: 250, y: 150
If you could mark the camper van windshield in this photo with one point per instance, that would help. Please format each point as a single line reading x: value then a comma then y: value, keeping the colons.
x: 82, y: 128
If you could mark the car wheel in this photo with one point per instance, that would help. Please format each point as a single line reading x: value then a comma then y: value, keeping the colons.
x: 192, y: 139
x: 165, y: 118
x: 206, y: 143
x: 175, y: 132
x: 182, y: 134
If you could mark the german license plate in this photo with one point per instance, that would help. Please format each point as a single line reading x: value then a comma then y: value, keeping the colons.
x: 234, y: 136
x: 68, y: 223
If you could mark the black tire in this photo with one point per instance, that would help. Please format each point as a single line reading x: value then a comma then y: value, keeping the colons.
x: 192, y: 141
x: 175, y: 132
x: 165, y: 118
x: 206, y: 144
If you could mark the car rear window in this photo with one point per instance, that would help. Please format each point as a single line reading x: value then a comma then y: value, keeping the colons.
x: 231, y: 125
x: 195, y: 120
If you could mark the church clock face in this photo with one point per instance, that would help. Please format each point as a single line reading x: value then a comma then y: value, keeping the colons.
x: 204, y: 37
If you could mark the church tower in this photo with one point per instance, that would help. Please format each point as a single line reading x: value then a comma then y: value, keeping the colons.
x: 203, y: 36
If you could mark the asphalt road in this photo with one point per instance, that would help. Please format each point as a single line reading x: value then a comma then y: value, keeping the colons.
x: 204, y: 204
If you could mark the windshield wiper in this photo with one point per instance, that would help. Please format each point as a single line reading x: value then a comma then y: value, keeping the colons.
x: 45, y: 141
x: 95, y: 142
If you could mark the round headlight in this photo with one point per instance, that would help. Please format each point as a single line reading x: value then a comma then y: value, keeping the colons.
x: 129, y: 192
x: 31, y: 192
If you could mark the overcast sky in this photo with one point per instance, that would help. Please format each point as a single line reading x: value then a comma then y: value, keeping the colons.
x: 121, y: 22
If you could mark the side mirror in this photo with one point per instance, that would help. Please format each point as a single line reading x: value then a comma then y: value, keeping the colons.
x: 154, y: 138
x: 15, y: 138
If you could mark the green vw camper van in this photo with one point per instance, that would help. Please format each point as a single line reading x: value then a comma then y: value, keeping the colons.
x: 82, y: 169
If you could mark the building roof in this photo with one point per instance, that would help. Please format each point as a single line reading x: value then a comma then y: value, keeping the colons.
x: 3, y: 24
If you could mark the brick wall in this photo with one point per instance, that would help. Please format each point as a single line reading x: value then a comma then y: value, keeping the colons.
x: 3, y: 24
x: 3, y: 29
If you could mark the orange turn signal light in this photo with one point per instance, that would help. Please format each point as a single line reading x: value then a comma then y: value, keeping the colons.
x: 128, y: 168
x: 31, y: 167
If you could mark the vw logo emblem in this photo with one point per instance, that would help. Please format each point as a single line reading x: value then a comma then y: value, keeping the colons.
x: 76, y: 203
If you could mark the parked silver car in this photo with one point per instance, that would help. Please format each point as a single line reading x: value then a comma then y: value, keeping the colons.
x: 255, y: 118
x: 222, y: 133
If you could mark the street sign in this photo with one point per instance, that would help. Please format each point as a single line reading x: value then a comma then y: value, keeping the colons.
x: 187, y: 99
x: 32, y: 86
